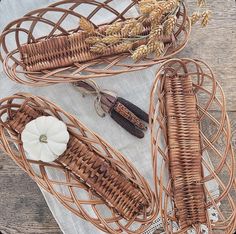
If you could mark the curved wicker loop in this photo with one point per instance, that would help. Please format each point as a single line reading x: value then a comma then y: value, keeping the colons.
x: 186, y: 100
x: 62, y: 18
x: 69, y: 189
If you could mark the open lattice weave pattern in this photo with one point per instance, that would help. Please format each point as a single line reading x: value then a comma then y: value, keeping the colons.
x: 33, y: 50
x: 89, y: 168
x: 186, y: 100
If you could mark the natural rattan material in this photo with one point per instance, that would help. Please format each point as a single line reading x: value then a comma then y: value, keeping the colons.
x: 65, y: 51
x: 95, y: 171
x: 184, y: 150
x: 105, y: 180
x: 89, y: 165
x: 183, y: 98
x: 35, y: 51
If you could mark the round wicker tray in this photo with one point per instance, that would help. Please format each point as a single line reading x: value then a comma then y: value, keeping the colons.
x: 62, y: 19
x: 186, y: 99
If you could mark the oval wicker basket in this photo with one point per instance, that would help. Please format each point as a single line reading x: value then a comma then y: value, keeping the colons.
x: 64, y: 183
x: 186, y: 100
x: 60, y: 20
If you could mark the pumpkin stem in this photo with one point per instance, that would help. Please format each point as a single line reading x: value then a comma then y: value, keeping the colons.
x: 43, y: 139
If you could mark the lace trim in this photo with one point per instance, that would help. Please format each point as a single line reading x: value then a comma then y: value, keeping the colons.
x: 157, y: 224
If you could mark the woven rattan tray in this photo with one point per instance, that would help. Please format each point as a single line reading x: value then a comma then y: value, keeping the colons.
x: 63, y: 49
x: 186, y: 99
x: 99, y: 180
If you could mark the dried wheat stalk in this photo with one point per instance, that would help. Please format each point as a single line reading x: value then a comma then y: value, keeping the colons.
x: 162, y: 15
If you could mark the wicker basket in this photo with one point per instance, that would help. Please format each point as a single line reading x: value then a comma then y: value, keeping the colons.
x: 92, y: 180
x: 26, y: 63
x: 186, y: 100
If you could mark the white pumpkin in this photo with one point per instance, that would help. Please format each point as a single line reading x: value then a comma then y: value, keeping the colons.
x: 45, y: 138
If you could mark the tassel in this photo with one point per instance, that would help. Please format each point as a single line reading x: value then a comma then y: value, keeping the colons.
x: 126, y: 114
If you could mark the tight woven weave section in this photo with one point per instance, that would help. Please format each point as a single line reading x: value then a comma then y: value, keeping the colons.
x: 63, y: 51
x: 94, y: 170
x: 184, y: 150
x: 104, y: 179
